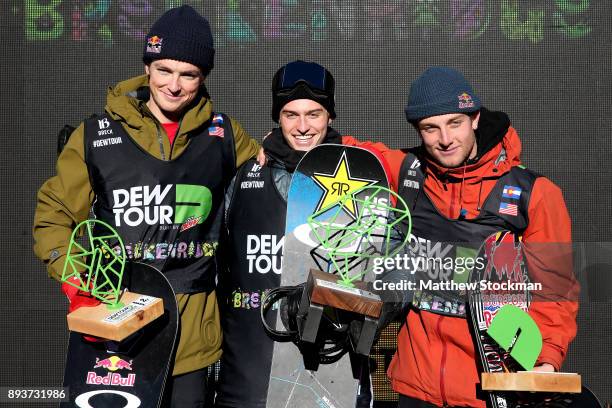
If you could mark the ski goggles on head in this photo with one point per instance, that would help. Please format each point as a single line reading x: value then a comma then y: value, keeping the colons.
x: 296, y: 73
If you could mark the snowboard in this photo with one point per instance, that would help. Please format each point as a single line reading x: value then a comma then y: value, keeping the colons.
x: 503, y: 260
x: 324, y: 175
x: 131, y: 373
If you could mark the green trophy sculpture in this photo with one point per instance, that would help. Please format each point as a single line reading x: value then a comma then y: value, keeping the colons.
x: 349, y: 247
x: 95, y: 264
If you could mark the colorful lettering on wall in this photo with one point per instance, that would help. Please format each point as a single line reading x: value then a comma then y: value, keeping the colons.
x: 234, y: 27
x: 88, y: 20
x: 522, y: 24
x: 471, y: 18
x: 43, y: 21
x: 427, y: 16
x: 569, y: 18
x: 246, y: 22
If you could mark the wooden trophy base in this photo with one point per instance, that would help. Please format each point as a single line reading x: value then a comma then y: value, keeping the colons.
x: 325, y: 290
x: 532, y: 381
x: 117, y: 324
x: 322, y: 290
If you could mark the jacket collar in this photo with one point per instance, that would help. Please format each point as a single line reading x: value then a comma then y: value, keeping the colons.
x: 127, y: 102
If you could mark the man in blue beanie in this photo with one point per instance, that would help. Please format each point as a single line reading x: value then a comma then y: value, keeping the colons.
x: 156, y: 131
x: 464, y: 183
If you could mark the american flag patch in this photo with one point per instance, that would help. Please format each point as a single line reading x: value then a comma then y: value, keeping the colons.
x: 216, y: 131
x: 217, y: 119
x: 511, y: 192
x: 507, y: 208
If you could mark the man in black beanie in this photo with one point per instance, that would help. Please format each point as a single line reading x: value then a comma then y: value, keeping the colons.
x: 156, y: 132
x: 303, y: 105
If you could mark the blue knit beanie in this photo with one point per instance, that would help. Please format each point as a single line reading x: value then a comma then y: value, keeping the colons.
x: 438, y: 91
x: 181, y: 34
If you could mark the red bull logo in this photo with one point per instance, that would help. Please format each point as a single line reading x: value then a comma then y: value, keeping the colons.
x: 465, y: 101
x: 504, y: 255
x: 154, y: 44
x: 110, y: 379
x: 113, y: 363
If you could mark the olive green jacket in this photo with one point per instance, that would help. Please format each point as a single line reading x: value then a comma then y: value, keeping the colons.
x: 65, y: 199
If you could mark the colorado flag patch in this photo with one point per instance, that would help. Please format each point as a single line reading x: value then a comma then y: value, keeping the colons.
x: 511, y: 192
x: 217, y: 119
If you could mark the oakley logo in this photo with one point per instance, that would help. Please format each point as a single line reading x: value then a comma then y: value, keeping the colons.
x: 131, y: 401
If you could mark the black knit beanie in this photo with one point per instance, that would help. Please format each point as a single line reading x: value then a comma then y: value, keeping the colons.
x: 438, y: 91
x: 296, y: 80
x: 181, y: 34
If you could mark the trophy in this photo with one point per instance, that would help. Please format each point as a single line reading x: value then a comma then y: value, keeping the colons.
x: 95, y: 264
x: 348, y: 248
x: 508, y: 340
x: 516, y: 332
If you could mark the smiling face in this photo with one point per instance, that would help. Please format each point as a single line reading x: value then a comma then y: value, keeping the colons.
x: 450, y: 140
x: 304, y: 123
x: 173, y: 86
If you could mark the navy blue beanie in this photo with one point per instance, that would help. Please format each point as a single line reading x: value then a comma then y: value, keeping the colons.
x: 303, y: 80
x: 438, y: 91
x: 181, y: 34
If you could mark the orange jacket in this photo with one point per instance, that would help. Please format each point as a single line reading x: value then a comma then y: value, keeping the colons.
x: 435, y: 359
x: 391, y: 160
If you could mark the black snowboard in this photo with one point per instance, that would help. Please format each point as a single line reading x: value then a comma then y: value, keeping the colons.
x: 504, y: 261
x: 131, y: 373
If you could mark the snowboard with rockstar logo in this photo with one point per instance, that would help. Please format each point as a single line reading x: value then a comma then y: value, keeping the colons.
x: 323, y: 177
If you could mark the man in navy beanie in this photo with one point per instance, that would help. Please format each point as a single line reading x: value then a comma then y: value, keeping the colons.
x: 464, y: 183
x: 303, y: 105
x: 155, y: 134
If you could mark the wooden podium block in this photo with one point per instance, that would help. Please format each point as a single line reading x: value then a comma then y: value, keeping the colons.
x: 100, y: 321
x: 532, y: 381
x: 327, y: 291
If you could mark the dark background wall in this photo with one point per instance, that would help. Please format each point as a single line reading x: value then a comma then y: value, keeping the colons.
x: 544, y: 62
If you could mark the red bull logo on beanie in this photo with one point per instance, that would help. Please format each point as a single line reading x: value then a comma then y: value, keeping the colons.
x: 465, y: 101
x: 154, y: 44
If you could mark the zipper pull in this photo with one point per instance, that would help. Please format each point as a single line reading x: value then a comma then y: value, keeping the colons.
x: 444, y: 180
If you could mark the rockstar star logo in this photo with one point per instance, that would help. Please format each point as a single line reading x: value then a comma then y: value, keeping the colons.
x: 338, y: 185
